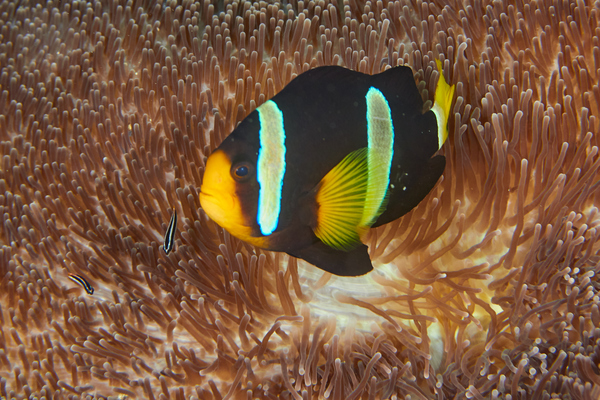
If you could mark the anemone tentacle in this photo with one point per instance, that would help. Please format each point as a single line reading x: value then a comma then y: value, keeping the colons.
x: 487, y: 289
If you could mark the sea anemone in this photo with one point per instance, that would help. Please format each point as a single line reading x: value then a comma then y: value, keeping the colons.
x: 487, y: 289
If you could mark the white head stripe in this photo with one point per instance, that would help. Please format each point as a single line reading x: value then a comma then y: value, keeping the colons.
x: 271, y: 166
x: 380, y: 130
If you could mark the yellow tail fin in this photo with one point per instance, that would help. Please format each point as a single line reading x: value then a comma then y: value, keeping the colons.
x: 442, y: 102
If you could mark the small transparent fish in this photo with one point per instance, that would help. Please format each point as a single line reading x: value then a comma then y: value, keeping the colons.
x: 170, y: 234
x: 81, y: 280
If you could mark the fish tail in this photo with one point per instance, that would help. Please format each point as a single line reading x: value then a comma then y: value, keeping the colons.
x: 442, y: 103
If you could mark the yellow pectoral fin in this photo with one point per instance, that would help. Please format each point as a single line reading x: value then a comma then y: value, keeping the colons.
x: 340, y: 201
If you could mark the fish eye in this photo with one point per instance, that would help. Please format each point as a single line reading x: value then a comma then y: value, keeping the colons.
x: 241, y: 171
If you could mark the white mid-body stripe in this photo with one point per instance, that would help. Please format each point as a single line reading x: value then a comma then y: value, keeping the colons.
x: 380, y: 131
x: 271, y: 166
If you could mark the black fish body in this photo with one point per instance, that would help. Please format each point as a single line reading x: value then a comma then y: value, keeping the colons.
x: 327, y: 121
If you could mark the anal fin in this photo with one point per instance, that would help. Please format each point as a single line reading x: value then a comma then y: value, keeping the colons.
x: 343, y: 263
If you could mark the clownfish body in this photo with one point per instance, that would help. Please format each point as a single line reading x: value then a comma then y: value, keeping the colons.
x: 334, y: 153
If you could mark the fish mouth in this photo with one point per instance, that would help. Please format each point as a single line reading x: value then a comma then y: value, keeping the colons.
x: 208, y: 198
x: 209, y: 195
x: 223, y: 202
x: 223, y: 209
x: 206, y: 195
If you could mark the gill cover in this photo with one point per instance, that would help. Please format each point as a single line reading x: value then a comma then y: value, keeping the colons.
x: 220, y: 199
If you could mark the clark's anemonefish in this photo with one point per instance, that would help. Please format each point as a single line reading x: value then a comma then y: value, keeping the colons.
x: 334, y: 153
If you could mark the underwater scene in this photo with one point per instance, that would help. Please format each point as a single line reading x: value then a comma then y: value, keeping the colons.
x: 300, y: 200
